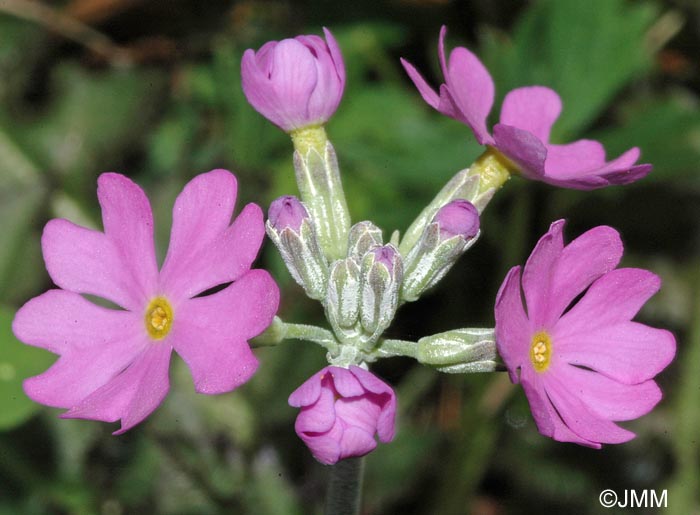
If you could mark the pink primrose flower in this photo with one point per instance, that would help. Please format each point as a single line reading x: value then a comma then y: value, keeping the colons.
x: 341, y: 410
x: 527, y: 116
x: 582, y: 366
x: 296, y: 82
x: 114, y: 363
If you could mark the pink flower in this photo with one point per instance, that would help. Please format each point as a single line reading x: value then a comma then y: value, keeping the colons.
x: 341, y: 410
x: 586, y: 365
x: 527, y: 116
x: 114, y: 362
x: 296, y: 82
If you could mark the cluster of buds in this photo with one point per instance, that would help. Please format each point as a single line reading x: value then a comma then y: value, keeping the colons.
x: 362, y: 290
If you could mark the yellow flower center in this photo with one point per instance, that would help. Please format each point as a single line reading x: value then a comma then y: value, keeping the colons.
x: 159, y: 318
x: 541, y: 351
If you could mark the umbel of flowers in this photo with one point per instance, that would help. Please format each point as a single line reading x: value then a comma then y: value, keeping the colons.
x: 583, y: 367
x: 582, y: 370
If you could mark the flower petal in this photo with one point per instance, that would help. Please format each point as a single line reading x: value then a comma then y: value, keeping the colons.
x: 210, y: 333
x: 336, y: 55
x: 309, y: 392
x: 574, y: 160
x: 319, y: 417
x: 512, y: 325
x: 360, y: 411
x: 429, y: 95
x: 325, y: 446
x: 610, y: 399
x: 59, y: 320
x: 132, y: 395
x: 548, y: 421
x: 345, y: 382
x: 81, y: 260
x: 581, y: 262
x: 386, y: 399
x: 95, y: 345
x: 128, y: 223
x: 356, y: 442
x: 523, y: 148
x: 628, y: 352
x: 615, y: 297
x: 329, y: 87
x: 533, y: 109
x: 538, y: 277
x: 204, y: 251
x: 470, y: 86
x: 578, y: 417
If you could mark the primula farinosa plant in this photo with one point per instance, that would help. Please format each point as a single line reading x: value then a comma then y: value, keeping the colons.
x: 564, y: 327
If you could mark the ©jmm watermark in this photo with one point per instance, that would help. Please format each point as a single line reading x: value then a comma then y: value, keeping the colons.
x: 633, y: 499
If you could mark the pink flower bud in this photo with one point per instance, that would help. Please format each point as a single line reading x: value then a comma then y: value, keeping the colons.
x: 296, y: 82
x: 341, y: 410
x: 459, y: 217
x: 287, y: 211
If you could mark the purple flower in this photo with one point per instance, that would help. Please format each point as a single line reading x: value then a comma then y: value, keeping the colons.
x: 527, y: 116
x: 341, y: 410
x: 287, y: 211
x: 296, y: 82
x: 587, y: 365
x: 114, y: 362
x: 458, y: 218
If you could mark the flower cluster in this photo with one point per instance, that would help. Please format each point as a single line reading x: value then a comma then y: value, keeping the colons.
x: 582, y: 361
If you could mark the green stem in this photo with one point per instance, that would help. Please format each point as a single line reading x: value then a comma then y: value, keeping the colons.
x: 391, y: 348
x: 345, y: 487
x: 280, y: 331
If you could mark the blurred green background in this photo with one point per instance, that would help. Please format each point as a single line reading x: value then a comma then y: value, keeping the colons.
x: 152, y: 89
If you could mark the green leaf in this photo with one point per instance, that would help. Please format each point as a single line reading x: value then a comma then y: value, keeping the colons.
x: 586, y: 51
x: 17, y: 362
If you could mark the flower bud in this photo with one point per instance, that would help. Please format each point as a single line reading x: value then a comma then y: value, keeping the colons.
x: 382, y: 273
x: 295, y: 83
x: 463, y: 185
x: 363, y: 236
x: 291, y: 229
x: 341, y: 411
x: 343, y: 298
x: 459, y: 351
x: 452, y: 231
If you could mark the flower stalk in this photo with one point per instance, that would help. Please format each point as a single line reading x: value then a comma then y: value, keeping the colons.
x: 318, y: 179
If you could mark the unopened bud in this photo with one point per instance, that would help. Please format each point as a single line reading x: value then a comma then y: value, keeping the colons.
x: 343, y: 298
x: 459, y: 351
x: 382, y: 273
x: 363, y: 236
x: 452, y: 231
x: 291, y: 229
x: 458, y: 218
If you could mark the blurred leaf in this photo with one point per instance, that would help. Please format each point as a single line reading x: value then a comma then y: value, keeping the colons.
x: 395, y: 152
x: 20, y: 43
x: 668, y: 133
x: 91, y: 120
x: 269, y: 492
x: 586, y: 51
x: 17, y: 362
x: 21, y: 198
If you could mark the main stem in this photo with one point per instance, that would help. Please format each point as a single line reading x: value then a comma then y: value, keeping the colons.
x: 345, y: 487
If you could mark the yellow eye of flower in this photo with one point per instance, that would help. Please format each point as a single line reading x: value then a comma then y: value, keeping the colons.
x: 541, y: 351
x: 159, y: 318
